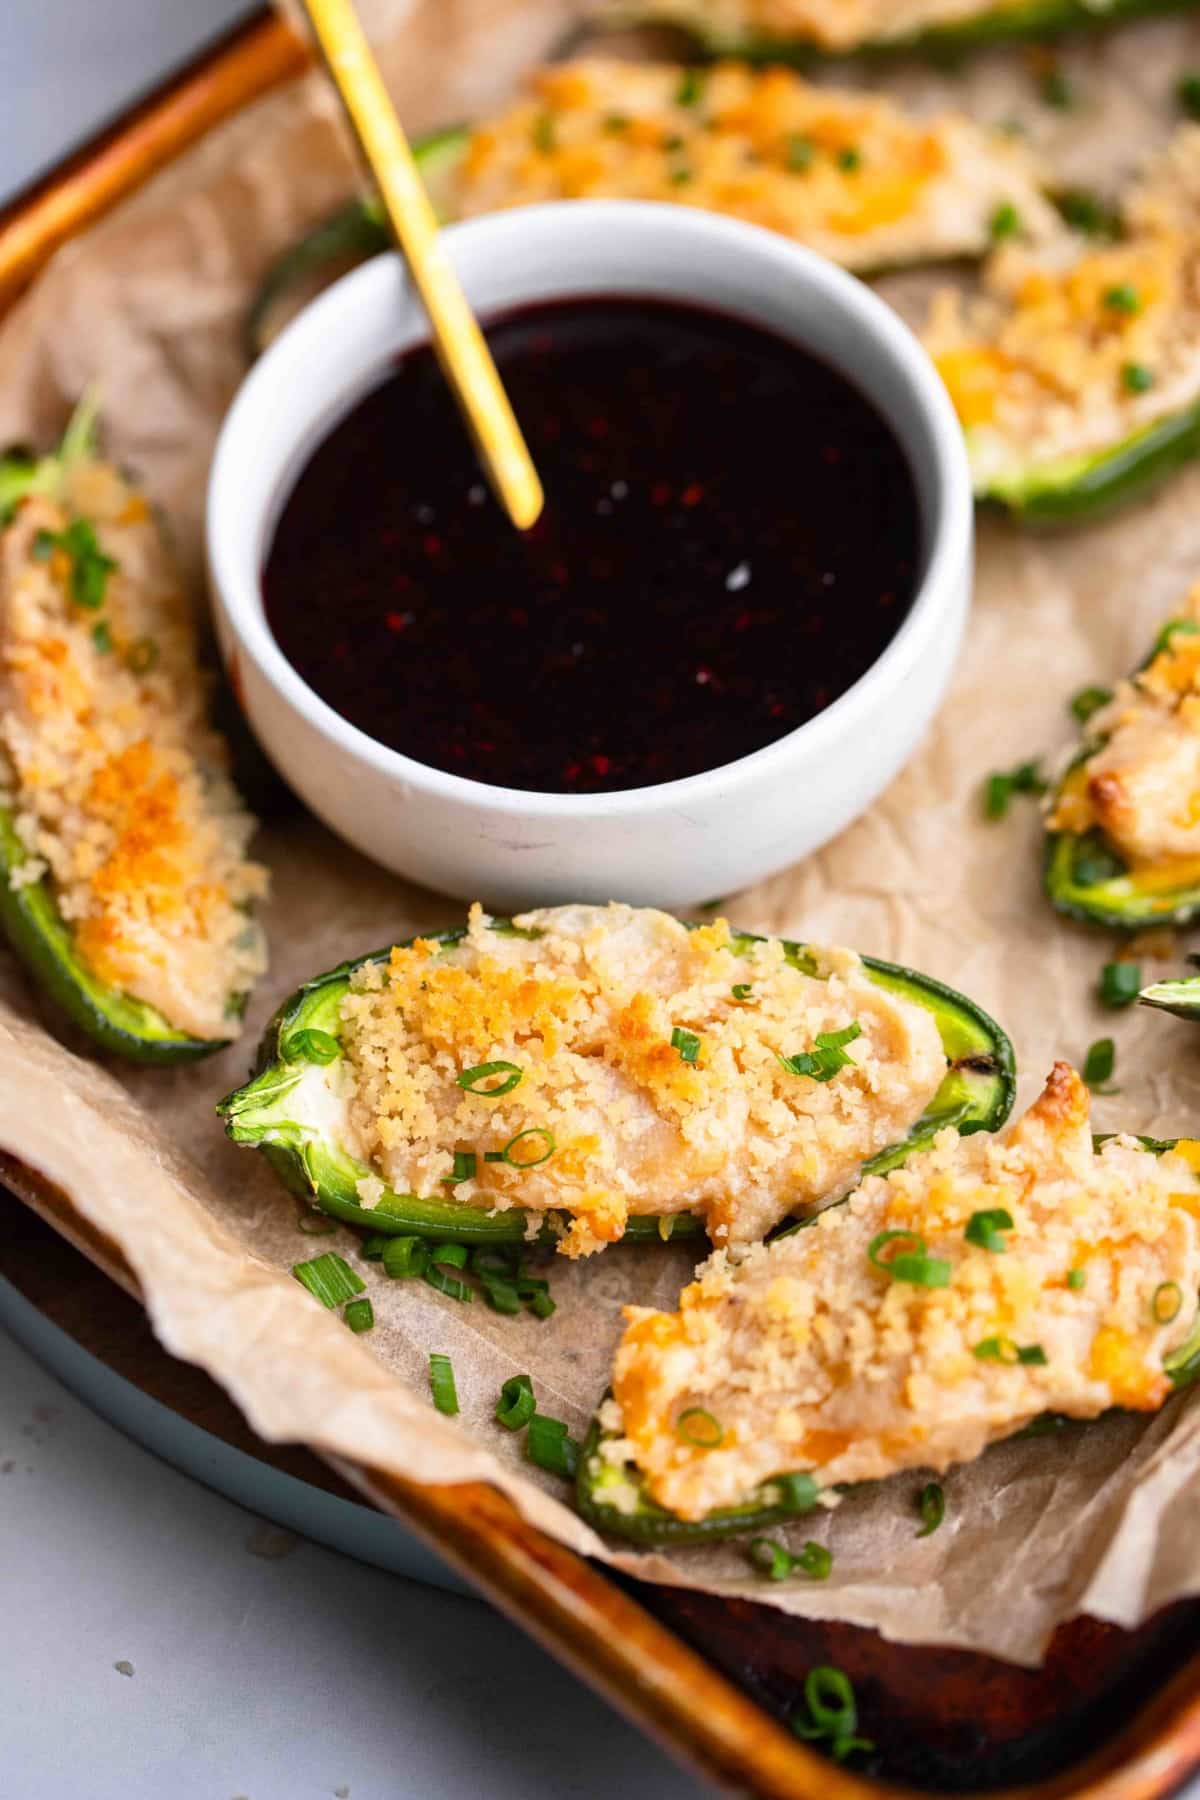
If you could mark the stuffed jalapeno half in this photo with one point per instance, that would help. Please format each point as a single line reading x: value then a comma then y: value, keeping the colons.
x: 1075, y: 372
x: 1179, y: 997
x: 945, y: 1306
x: 587, y: 1074
x: 124, y: 883
x: 848, y: 173
x: 1123, y: 847
x: 799, y: 30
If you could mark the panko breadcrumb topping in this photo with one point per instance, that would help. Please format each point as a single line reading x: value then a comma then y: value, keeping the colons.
x: 115, y: 784
x: 833, y: 25
x: 648, y: 1072
x: 848, y: 173
x: 1073, y: 347
x: 1141, y: 786
x: 813, y: 1354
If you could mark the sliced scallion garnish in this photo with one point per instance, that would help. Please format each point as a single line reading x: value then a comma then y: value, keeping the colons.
x: 441, y: 1384
x: 329, y: 1278
x: 550, y: 1446
x: 984, y: 1228
x: 698, y: 1428
x: 1004, y: 1350
x: 1167, y: 1302
x: 359, y: 1315
x: 543, y: 1145
x: 777, y: 1562
x: 443, y: 1258
x: 931, y: 1503
x: 1120, y: 984
x: 742, y: 990
x: 687, y: 1043
x: 1076, y: 1279
x: 470, y: 1079
x: 823, y: 1063
x: 464, y: 1169
x: 516, y: 1405
x: 1098, y: 1065
x: 1089, y: 700
x: 911, y: 1261
x: 832, y: 1713
x: 404, y: 1257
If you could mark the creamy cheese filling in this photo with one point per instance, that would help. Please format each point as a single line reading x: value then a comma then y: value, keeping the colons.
x: 641, y: 1072
x: 117, y: 786
x: 1071, y: 348
x: 1044, y: 1277
x: 847, y: 173
x: 1141, y: 786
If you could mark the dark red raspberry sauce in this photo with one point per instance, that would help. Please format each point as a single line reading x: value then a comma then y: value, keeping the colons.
x: 731, y: 538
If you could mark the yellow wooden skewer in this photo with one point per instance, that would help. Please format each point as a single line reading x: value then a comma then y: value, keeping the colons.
x: 462, y: 352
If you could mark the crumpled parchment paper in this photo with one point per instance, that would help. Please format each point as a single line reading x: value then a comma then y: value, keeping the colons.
x: 1096, y: 1519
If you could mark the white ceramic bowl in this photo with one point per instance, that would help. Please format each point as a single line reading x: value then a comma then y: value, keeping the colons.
x: 683, y: 841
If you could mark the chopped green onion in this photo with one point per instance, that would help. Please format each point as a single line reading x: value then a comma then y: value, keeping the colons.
x: 314, y: 1224
x: 687, y: 1044
x: 815, y: 1561
x: 775, y: 1562
x: 471, y: 1078
x: 142, y: 656
x: 359, y: 1315
x: 1076, y: 1279
x: 1123, y: 298
x: 516, y: 1405
x: 800, y: 153
x: 373, y: 1247
x: 1120, y: 984
x: 1003, y: 1350
x: 1099, y: 1063
x: 550, y: 1447
x: 443, y: 1257
x: 912, y: 1264
x: 832, y: 1713
x: 984, y: 1229
x: 616, y: 122
x: 1167, y: 1302
x: 311, y: 1046
x: 1057, y: 90
x: 1172, y: 629
x: 1136, y: 378
x: 329, y: 1278
x: 1187, y: 92
x: 850, y: 159
x: 1086, y: 212
x: 441, y: 1384
x: 823, y: 1063
x: 464, y: 1168
x: 799, y: 1492
x: 680, y: 175
x: 102, y: 637
x: 999, y: 789
x: 541, y: 1306
x: 90, y: 568
x: 699, y: 1428
x: 544, y: 133
x: 1089, y: 700
x: 405, y: 1257
x: 742, y: 990
x: 524, y: 1162
x: 1005, y: 221
x: 931, y: 1503
x: 691, y: 86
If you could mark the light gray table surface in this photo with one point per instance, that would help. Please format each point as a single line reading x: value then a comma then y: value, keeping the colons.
x: 268, y: 1677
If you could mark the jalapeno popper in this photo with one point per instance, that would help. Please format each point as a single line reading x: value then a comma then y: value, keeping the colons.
x: 943, y: 1307
x: 591, y: 1073
x: 777, y: 29
x: 1076, y: 372
x: 1124, y: 821
x: 124, y: 883
x: 849, y: 174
